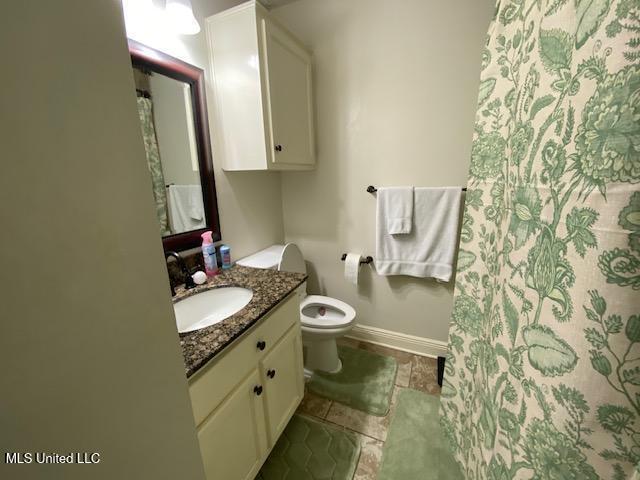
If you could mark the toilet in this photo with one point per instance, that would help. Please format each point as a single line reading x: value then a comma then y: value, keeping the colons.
x: 323, y: 319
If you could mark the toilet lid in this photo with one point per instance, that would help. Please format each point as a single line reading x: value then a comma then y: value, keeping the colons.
x: 292, y: 260
x: 317, y: 311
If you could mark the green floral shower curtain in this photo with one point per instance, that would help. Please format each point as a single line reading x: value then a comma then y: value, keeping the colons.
x: 145, y: 112
x: 543, y: 373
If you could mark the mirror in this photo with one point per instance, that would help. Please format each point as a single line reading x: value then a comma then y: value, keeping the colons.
x: 164, y: 108
x: 172, y: 112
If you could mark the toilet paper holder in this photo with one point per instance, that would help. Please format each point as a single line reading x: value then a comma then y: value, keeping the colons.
x: 368, y: 259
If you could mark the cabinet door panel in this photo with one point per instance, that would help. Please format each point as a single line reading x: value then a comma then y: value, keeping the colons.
x: 233, y: 439
x: 283, y: 381
x: 288, y: 68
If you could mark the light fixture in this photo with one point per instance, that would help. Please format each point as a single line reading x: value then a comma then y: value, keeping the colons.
x: 180, y: 15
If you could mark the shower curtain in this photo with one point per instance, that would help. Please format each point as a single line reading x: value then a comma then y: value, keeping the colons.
x: 543, y: 371
x: 145, y: 112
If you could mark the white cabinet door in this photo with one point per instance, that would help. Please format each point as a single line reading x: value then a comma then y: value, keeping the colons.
x: 290, y: 103
x: 282, y: 372
x: 233, y: 439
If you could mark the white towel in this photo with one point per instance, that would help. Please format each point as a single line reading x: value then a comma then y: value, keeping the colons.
x: 196, y: 205
x: 186, y: 209
x: 396, y: 206
x: 429, y: 249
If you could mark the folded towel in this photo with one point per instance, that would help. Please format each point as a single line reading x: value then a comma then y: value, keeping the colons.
x: 186, y: 208
x: 395, y: 204
x: 429, y: 249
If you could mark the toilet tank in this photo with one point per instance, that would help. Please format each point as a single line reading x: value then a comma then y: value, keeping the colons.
x: 267, y: 258
x: 270, y: 258
x: 287, y: 258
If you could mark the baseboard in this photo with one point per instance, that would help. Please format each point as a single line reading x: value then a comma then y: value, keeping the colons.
x: 400, y: 341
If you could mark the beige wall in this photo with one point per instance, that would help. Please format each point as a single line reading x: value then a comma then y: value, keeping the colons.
x: 89, y: 355
x: 396, y: 86
x: 250, y: 203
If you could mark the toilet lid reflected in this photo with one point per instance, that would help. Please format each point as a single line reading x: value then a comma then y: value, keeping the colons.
x: 292, y: 260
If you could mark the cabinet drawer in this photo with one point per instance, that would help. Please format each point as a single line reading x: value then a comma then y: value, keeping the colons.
x: 213, y: 382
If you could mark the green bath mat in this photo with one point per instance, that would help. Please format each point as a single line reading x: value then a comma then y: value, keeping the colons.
x: 365, y: 381
x: 310, y: 450
x: 416, y: 448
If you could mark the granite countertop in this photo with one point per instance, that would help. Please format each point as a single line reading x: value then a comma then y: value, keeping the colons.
x: 269, y: 288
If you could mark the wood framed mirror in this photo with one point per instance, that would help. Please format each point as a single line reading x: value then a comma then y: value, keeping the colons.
x: 173, y: 117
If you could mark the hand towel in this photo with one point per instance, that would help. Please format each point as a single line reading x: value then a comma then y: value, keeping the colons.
x: 186, y: 208
x: 196, y: 205
x: 429, y: 249
x: 396, y: 205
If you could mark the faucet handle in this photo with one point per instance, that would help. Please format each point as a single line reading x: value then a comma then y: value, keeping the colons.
x: 188, y: 280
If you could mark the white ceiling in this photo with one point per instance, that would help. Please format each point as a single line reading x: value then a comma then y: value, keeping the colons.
x: 275, y: 3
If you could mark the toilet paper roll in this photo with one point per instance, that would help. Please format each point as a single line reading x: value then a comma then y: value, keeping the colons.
x: 352, y: 267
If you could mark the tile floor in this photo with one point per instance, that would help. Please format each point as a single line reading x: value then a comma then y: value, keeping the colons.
x: 414, y: 371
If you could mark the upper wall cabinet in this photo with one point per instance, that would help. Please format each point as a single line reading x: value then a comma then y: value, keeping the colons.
x: 263, y: 115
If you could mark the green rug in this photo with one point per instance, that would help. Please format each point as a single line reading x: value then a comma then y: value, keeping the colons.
x: 365, y: 381
x: 310, y: 450
x: 416, y: 448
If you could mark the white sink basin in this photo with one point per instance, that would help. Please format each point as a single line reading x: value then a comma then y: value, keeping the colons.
x: 210, y: 307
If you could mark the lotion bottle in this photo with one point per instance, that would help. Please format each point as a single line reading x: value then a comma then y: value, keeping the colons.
x: 209, y: 254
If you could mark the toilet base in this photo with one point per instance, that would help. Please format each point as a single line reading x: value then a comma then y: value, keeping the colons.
x: 322, y: 355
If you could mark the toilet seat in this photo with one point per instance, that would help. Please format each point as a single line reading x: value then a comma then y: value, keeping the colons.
x: 318, y: 311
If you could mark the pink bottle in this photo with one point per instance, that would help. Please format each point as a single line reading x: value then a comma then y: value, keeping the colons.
x: 209, y: 254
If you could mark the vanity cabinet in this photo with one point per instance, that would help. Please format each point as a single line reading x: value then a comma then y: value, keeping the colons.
x: 263, y: 102
x: 243, y: 399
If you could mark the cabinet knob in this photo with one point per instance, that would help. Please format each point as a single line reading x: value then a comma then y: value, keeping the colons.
x: 257, y: 390
x: 278, y: 148
x: 271, y: 373
x: 261, y: 345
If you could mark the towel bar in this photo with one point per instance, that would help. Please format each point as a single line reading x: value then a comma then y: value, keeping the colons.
x: 368, y: 259
x: 372, y: 189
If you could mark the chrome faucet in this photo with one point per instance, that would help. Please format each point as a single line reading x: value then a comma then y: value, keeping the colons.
x: 188, y: 279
